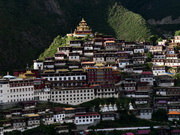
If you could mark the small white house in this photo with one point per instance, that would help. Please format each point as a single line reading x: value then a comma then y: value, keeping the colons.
x: 159, y: 56
x: 88, y: 47
x: 59, y: 55
x: 139, y: 49
x: 173, y: 107
x: 147, y: 77
x: 99, y: 57
x: 47, y: 118
x: 33, y: 119
x: 170, y: 51
x: 176, y: 39
x: 145, y: 113
x: 59, y: 114
x: 75, y: 43
x: 158, y: 48
x: 129, y: 86
x: 173, y: 115
x: 38, y: 64
x: 123, y: 62
x: 141, y: 100
x: 74, y: 56
x: 158, y: 62
x: 163, y: 42
x: 65, y: 50
x: 86, y: 118
x: 142, y: 94
x: 171, y: 56
x: 162, y: 92
x: 172, y: 62
x: 158, y: 70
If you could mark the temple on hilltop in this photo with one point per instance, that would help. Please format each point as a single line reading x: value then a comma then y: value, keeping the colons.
x: 82, y: 30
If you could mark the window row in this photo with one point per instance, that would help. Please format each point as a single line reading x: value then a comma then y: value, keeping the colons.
x: 63, y: 99
x: 72, y: 91
x: 21, y: 95
x: 66, y: 78
x: 21, y: 90
x: 20, y: 99
x: 75, y: 95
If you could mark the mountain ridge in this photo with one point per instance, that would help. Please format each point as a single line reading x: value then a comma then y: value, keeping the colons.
x: 28, y: 27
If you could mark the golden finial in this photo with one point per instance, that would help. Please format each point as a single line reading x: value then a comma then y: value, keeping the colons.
x: 83, y: 20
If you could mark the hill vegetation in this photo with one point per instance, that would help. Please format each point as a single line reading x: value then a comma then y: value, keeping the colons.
x: 177, y: 33
x: 128, y: 25
x: 58, y: 42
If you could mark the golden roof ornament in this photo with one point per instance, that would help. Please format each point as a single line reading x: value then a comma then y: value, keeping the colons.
x: 82, y: 30
x: 83, y: 20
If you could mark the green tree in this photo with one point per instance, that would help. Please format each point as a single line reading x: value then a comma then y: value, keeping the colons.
x: 160, y: 115
x: 177, y: 76
x: 149, y: 56
x: 148, y: 65
x: 87, y: 37
x: 177, y: 79
x: 72, y: 38
x: 177, y: 33
x: 177, y: 48
x: 153, y: 38
x: 159, y: 39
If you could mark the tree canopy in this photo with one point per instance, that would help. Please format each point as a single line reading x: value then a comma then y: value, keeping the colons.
x: 153, y: 38
x: 160, y: 115
x: 177, y: 33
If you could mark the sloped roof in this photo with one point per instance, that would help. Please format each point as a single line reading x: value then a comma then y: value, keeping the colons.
x: 174, y: 112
